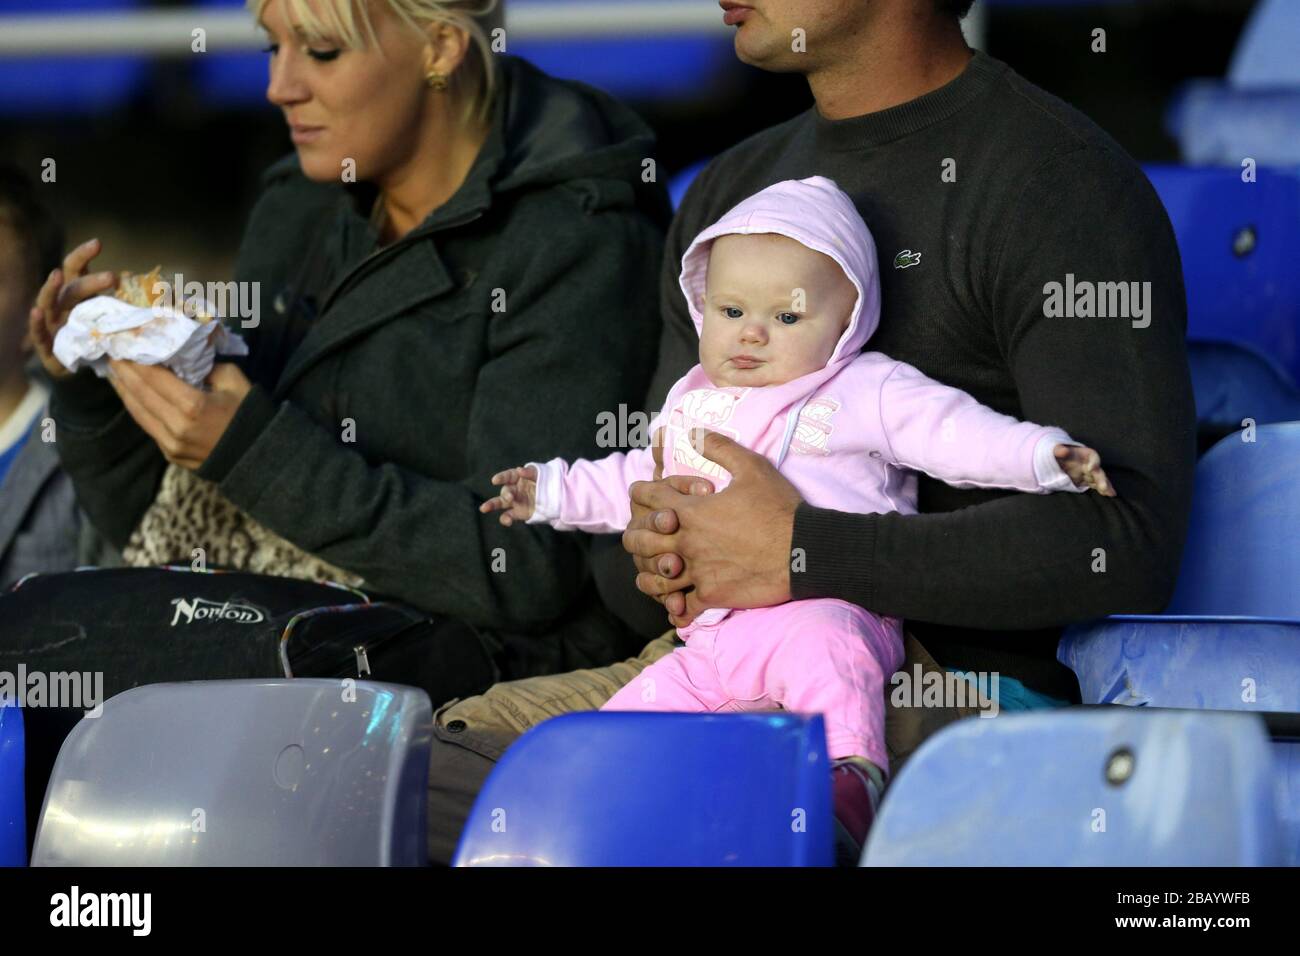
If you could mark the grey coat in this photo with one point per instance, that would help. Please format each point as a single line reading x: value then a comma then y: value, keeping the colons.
x: 41, y: 526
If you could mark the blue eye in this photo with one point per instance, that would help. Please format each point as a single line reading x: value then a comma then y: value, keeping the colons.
x: 787, y: 318
x: 729, y: 309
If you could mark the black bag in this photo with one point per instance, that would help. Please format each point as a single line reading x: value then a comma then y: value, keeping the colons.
x: 150, y: 625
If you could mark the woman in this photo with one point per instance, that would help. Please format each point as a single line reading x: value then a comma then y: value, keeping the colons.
x: 457, y: 268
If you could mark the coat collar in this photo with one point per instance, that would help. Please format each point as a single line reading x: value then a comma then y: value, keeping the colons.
x: 399, y: 276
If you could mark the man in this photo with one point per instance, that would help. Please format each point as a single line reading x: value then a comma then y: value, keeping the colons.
x: 988, y: 199
x: 41, y: 527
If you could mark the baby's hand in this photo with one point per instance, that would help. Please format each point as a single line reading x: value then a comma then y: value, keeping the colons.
x: 518, y: 497
x: 1083, y: 465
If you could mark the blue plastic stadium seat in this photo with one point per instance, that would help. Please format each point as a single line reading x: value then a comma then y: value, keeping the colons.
x: 1103, y: 787
x: 1265, y: 57
x: 1256, y: 112
x: 13, y: 761
x: 1234, y: 382
x: 681, y: 182
x: 1238, y: 242
x: 68, y: 85
x: 1230, y: 638
x: 1286, y: 756
x: 631, y: 789
x: 1205, y: 663
x: 1238, y: 587
x: 1242, y: 554
x: 1216, y: 125
x: 299, y: 772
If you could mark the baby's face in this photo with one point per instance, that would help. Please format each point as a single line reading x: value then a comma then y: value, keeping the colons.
x: 773, y: 310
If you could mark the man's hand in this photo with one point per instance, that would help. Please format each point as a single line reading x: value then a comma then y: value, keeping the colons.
x: 698, y: 550
x: 663, y: 522
x: 184, y: 421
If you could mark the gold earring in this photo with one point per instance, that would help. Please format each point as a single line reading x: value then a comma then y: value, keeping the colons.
x: 436, y: 80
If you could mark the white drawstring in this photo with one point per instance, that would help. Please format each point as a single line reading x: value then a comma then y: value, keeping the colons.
x: 791, y: 423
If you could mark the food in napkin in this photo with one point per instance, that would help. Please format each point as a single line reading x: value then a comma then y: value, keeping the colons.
x: 146, y: 321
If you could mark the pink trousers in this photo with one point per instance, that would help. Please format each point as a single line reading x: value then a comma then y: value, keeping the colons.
x: 821, y: 656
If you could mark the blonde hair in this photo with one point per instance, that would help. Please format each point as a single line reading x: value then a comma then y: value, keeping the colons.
x: 348, y: 22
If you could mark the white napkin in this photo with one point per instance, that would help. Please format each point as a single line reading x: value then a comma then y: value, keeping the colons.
x: 104, y: 327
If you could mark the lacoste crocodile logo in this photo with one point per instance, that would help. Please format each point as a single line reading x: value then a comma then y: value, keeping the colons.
x: 906, y: 259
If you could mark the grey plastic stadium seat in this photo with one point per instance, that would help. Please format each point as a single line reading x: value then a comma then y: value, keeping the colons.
x: 243, y: 773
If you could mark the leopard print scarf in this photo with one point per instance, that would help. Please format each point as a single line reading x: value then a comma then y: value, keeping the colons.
x: 190, y: 513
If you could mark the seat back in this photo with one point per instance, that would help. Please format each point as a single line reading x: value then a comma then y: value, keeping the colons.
x: 1242, y: 554
x: 1100, y: 787
x: 1265, y: 57
x: 13, y: 761
x: 681, y: 182
x: 632, y: 789
x: 1234, y: 382
x: 243, y: 773
x: 1286, y: 758
x: 1204, y: 663
x: 1238, y: 243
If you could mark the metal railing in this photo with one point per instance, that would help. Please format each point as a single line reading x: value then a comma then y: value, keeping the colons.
x: 170, y: 33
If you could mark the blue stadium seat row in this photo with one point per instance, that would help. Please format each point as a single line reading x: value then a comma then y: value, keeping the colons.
x: 636, y: 68
x: 1105, y: 787
x: 1230, y: 638
x: 69, y: 85
x: 640, y: 67
x: 1256, y: 110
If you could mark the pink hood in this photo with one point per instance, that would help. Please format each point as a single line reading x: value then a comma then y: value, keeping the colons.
x: 817, y: 213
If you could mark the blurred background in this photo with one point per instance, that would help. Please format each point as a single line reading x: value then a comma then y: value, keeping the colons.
x: 158, y: 149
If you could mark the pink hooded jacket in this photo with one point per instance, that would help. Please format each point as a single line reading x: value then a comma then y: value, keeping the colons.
x: 849, y: 436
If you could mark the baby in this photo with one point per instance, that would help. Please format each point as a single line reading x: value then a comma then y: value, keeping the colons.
x: 784, y: 293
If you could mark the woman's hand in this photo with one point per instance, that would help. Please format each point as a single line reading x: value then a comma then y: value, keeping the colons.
x: 518, y: 498
x: 63, y: 289
x: 184, y: 421
x: 733, y: 546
